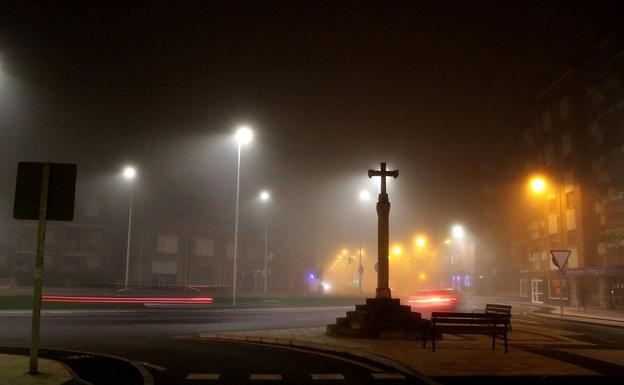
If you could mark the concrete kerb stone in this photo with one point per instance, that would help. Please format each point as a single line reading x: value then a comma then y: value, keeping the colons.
x: 399, y: 366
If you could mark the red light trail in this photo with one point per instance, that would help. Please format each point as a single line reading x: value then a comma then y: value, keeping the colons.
x: 136, y: 300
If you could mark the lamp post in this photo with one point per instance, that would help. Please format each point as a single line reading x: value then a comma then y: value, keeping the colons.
x: 364, y: 197
x: 243, y: 136
x: 265, y: 197
x: 538, y: 186
x: 129, y: 173
x: 457, y: 233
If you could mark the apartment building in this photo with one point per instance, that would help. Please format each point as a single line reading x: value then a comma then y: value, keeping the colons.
x: 573, y: 137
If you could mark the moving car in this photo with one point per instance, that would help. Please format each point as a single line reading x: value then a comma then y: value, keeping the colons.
x: 434, y: 300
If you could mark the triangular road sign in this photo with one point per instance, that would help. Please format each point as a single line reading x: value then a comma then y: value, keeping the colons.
x: 560, y: 258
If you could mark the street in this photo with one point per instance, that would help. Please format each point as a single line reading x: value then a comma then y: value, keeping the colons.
x: 164, y: 341
x: 160, y: 338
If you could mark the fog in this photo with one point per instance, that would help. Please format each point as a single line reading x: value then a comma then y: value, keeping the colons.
x: 329, y: 93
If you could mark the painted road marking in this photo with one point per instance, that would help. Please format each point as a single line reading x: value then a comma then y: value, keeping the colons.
x: 203, y: 376
x: 327, y: 376
x: 522, y: 321
x: 388, y: 376
x: 265, y: 377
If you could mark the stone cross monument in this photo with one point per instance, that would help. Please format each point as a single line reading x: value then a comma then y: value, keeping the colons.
x: 383, y: 213
x: 382, y: 316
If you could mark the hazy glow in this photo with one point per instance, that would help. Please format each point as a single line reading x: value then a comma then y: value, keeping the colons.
x: 344, y: 251
x: 423, y: 276
x: 364, y: 196
x: 458, y: 231
x: 326, y: 286
x: 265, y: 196
x: 129, y: 172
x: 447, y: 241
x: 537, y: 185
x: 421, y: 241
x: 243, y: 135
x: 396, y: 250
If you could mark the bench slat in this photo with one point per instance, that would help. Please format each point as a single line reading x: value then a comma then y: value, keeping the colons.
x: 470, y: 330
x: 462, y: 315
x: 475, y: 321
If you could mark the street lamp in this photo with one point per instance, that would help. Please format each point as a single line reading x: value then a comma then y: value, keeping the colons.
x: 537, y: 185
x: 457, y: 231
x: 129, y: 174
x: 264, y: 197
x: 243, y: 136
x: 421, y: 242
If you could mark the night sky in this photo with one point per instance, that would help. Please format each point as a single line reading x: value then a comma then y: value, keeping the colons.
x: 331, y: 88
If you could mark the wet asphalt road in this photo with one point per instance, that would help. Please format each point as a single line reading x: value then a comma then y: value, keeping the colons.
x: 161, y: 338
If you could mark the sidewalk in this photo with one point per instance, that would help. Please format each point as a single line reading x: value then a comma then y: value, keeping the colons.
x: 611, y: 318
x: 593, y: 316
x: 468, y: 355
x: 14, y: 371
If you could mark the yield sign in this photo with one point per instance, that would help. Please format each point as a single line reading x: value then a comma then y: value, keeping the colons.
x: 560, y: 258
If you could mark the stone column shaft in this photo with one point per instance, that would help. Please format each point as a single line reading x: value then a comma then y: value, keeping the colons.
x: 383, y: 212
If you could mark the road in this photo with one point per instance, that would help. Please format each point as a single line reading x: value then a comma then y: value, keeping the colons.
x: 161, y: 337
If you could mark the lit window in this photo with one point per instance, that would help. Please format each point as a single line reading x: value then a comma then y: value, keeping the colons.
x: 570, y: 197
x: 167, y: 244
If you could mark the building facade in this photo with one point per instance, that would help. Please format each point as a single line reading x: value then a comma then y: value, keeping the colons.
x: 573, y: 137
x: 177, y: 254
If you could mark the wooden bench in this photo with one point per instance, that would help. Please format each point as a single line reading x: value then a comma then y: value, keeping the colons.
x: 492, y: 308
x: 469, y: 323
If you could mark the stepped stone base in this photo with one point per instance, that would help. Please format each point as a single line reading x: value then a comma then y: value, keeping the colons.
x: 382, y: 318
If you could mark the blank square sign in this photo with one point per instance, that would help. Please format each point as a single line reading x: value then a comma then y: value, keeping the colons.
x: 61, y: 191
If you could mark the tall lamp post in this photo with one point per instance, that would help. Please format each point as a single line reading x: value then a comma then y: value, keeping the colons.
x: 364, y: 197
x: 243, y: 136
x: 538, y: 186
x: 458, y: 233
x: 129, y: 173
x: 265, y: 197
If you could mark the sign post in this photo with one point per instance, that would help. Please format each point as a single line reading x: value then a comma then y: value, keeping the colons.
x: 44, y: 191
x: 41, y: 233
x: 560, y: 259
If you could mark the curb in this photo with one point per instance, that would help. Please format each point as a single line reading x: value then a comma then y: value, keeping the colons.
x: 399, y: 366
x: 139, y: 366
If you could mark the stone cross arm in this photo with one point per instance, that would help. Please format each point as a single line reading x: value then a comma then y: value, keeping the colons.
x: 383, y: 173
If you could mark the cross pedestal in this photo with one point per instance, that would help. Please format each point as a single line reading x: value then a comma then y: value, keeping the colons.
x: 382, y: 316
